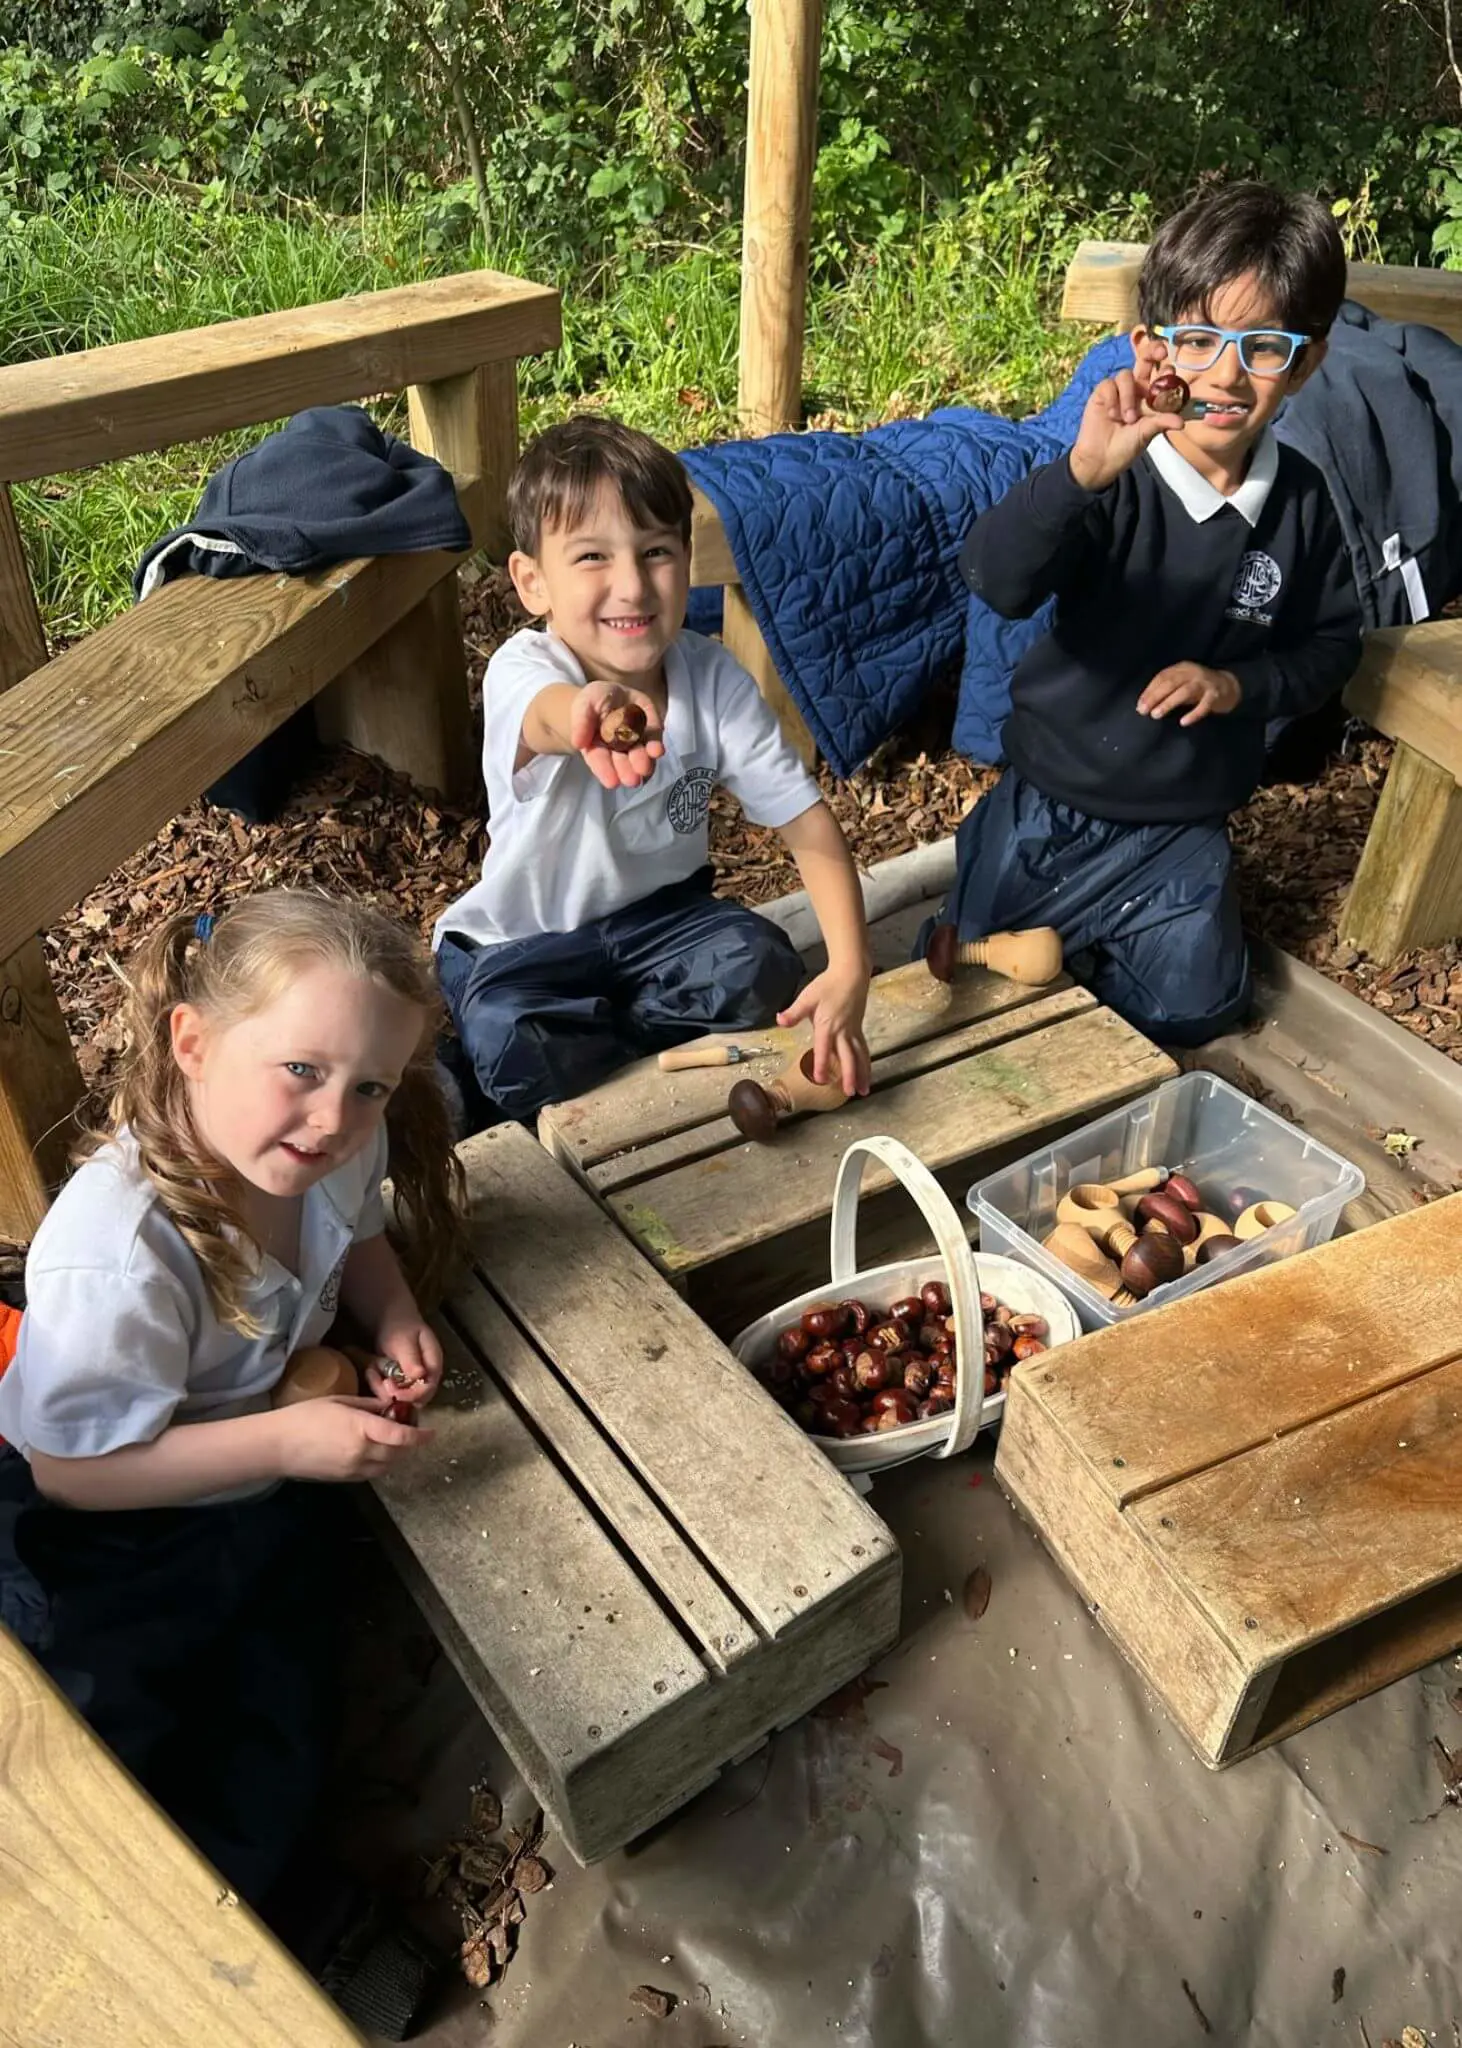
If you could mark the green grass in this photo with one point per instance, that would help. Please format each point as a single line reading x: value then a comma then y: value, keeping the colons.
x: 956, y: 313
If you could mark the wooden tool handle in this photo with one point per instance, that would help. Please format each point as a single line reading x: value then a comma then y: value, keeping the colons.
x: 695, y: 1054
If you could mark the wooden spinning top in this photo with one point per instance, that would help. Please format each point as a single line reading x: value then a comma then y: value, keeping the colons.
x: 756, y: 1110
x: 314, y: 1374
x: 1032, y: 957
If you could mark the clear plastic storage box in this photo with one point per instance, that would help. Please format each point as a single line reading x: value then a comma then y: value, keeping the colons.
x: 1196, y: 1125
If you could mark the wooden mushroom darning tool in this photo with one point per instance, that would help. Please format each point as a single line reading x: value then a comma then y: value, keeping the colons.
x: 1261, y: 1217
x: 314, y: 1374
x: 1145, y: 1261
x: 1032, y: 957
x: 680, y: 1057
x: 756, y: 1110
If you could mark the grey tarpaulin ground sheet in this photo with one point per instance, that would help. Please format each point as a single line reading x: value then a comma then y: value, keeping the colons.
x: 1004, y: 1844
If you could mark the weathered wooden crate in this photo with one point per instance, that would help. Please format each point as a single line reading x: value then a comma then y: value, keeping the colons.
x: 1258, y: 1488
x: 640, y: 1565
x: 967, y: 1078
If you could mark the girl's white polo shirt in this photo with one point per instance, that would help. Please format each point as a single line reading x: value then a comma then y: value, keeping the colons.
x: 564, y: 850
x: 119, y: 1338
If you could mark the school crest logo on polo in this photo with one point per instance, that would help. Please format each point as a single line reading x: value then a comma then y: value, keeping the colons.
x: 1256, y: 585
x: 330, y: 1292
x: 690, y: 799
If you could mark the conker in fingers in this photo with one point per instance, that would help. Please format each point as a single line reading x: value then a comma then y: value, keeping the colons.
x: 1167, y: 392
x: 403, y: 1412
x: 935, y: 1297
x: 622, y: 729
x: 825, y: 1319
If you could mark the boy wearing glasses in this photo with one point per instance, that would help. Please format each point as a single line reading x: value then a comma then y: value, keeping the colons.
x: 1202, y: 589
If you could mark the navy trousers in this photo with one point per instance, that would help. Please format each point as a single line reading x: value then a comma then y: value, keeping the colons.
x: 1148, y: 914
x: 544, y: 1019
x: 199, y: 1643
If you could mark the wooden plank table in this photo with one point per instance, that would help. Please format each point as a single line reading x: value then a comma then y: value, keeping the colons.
x: 968, y: 1077
x: 639, y: 1564
x: 1257, y: 1488
x: 116, y: 1932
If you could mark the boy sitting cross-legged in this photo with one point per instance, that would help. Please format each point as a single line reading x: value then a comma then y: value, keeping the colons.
x: 1202, y: 589
x: 593, y: 937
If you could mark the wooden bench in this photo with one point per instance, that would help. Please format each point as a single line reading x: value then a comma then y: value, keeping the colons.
x: 968, y: 1078
x: 1407, y: 890
x: 116, y: 1932
x: 1256, y: 1489
x: 639, y: 1564
x: 101, y: 746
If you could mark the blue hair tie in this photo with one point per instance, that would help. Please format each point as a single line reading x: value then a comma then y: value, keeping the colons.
x: 203, y: 927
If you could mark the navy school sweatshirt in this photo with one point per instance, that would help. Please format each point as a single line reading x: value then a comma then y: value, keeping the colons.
x: 1141, y: 581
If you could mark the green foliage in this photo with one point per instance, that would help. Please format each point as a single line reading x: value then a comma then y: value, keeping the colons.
x: 607, y: 126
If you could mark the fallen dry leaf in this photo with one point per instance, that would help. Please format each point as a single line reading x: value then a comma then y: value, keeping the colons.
x: 658, y: 2004
x: 977, y: 1592
x: 1371, y: 1848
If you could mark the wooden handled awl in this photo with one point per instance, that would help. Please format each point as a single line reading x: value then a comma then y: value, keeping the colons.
x: 698, y: 1054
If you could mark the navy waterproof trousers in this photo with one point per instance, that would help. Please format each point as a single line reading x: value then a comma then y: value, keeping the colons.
x: 545, y: 1018
x: 1148, y: 914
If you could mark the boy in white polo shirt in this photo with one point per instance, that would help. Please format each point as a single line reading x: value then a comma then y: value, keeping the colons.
x: 593, y: 937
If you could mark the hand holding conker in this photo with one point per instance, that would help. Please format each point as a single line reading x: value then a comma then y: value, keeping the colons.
x: 623, y: 729
x: 1167, y: 392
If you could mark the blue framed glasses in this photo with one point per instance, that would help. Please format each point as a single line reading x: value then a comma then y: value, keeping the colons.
x: 1263, y: 351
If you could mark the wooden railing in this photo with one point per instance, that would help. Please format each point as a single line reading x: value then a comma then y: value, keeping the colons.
x: 101, y: 746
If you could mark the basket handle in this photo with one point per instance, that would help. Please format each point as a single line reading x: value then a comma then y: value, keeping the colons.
x: 940, y: 1214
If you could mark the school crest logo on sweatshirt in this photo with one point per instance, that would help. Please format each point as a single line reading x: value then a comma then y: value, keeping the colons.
x: 1256, y: 585
x: 690, y: 799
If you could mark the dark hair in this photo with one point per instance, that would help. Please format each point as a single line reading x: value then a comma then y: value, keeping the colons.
x: 559, y: 475
x: 1289, y: 241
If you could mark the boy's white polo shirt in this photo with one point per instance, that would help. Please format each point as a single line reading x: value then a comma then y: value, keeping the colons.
x: 119, y: 1339
x: 564, y: 850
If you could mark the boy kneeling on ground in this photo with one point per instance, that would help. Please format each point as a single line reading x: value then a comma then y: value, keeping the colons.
x: 1202, y: 589
x: 593, y: 937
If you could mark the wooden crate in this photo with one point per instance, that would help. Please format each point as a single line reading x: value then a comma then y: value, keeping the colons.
x: 1258, y: 1487
x: 969, y: 1078
x: 640, y: 1565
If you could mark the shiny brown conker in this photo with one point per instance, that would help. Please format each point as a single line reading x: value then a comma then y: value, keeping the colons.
x: 623, y: 728
x: 822, y: 1359
x: 935, y: 1297
x: 1186, y: 1191
x: 1214, y: 1247
x: 1027, y: 1346
x: 907, y: 1309
x: 1153, y: 1261
x: 858, y: 1315
x: 840, y: 1418
x: 1167, y: 392
x: 793, y: 1343
x: 825, y: 1319
x: 886, y: 1337
x: 871, y: 1371
x: 1175, y: 1217
x: 918, y: 1378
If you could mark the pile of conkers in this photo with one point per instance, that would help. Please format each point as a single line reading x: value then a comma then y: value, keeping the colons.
x: 844, y: 1369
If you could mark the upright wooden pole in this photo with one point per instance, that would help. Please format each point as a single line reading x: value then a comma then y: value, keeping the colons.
x: 781, y: 144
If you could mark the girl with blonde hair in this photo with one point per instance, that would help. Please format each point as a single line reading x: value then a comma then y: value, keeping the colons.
x: 168, y: 1550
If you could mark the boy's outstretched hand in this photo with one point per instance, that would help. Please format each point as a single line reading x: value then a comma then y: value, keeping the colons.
x: 1114, y: 428
x: 1208, y: 690
x: 615, y: 769
x: 835, y: 1002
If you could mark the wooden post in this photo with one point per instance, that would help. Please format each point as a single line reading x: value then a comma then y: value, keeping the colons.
x: 40, y: 1082
x: 1408, y: 888
x: 781, y: 144
x: 406, y: 700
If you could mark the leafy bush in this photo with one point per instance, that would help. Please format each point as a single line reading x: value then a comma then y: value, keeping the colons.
x: 611, y: 124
